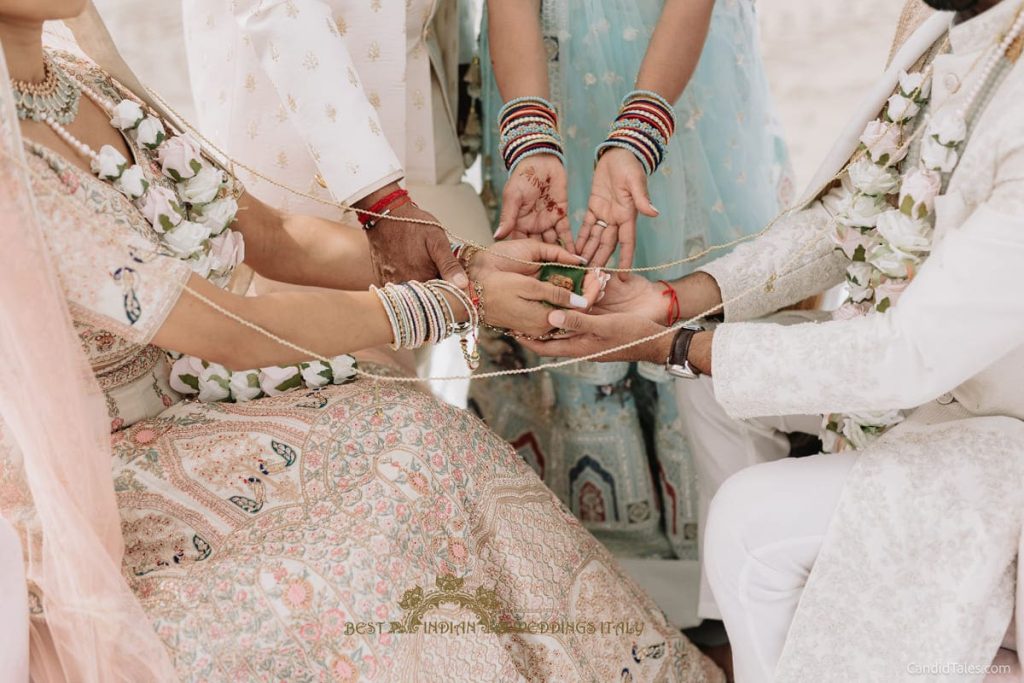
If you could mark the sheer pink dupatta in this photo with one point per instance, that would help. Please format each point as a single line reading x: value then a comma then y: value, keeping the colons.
x: 56, y: 423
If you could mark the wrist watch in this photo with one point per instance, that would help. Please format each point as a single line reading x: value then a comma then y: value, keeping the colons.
x: 678, y: 365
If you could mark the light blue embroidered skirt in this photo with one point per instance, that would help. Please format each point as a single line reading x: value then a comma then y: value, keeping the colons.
x: 606, y: 437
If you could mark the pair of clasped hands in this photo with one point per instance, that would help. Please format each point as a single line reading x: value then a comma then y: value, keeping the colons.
x: 534, y: 226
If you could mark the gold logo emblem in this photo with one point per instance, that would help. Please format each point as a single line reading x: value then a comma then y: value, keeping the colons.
x: 483, y: 602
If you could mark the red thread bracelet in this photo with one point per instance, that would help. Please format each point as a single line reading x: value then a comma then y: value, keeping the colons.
x: 366, y: 216
x: 675, y: 311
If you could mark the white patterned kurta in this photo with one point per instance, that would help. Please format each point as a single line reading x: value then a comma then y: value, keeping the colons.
x: 335, y: 98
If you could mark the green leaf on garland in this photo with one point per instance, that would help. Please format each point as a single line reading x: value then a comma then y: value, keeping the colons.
x: 293, y: 382
x: 907, y: 207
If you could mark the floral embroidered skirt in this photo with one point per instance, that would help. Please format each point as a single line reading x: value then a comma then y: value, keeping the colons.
x: 368, y: 532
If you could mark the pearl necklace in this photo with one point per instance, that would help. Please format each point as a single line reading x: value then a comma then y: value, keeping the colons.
x: 57, y: 124
x: 993, y: 61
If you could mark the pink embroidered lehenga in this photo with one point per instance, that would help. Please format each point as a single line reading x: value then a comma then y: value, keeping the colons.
x: 273, y: 540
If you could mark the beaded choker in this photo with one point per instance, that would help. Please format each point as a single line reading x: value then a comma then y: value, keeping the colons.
x: 55, y: 98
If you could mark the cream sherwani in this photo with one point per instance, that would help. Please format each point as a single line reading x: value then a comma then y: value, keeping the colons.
x: 919, y: 563
x: 335, y: 98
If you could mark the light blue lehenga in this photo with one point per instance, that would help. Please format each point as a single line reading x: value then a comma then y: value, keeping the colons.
x: 606, y: 437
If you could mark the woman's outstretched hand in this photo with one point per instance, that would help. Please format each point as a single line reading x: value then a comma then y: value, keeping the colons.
x: 535, y: 202
x: 618, y: 194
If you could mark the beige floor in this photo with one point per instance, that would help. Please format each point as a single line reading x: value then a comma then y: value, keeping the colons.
x: 820, y: 55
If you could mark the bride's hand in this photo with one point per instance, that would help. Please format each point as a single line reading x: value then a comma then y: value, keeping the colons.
x: 513, y: 297
x: 521, y: 303
x: 522, y: 257
x: 618, y: 193
x: 535, y: 202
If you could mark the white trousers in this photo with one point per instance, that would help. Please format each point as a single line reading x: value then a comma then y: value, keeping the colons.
x: 721, y: 447
x: 765, y: 529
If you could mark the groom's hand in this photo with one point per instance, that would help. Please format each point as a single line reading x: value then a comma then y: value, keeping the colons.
x: 403, y: 251
x: 584, y: 335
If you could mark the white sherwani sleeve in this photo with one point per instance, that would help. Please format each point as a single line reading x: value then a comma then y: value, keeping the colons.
x: 301, y: 51
x: 961, y: 313
x: 797, y: 248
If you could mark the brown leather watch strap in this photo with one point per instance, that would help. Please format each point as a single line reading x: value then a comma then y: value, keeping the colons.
x: 681, y: 348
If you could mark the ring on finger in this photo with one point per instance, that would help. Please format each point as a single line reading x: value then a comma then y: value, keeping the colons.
x: 600, y: 224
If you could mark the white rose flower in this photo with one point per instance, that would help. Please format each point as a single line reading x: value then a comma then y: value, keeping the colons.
x: 937, y: 156
x: 109, y: 163
x: 890, y: 262
x: 858, y: 281
x: 856, y: 435
x: 227, y: 250
x: 126, y: 115
x: 948, y: 127
x: 850, y: 311
x: 203, y: 187
x: 160, y: 207
x: 860, y: 273
x: 186, y: 238
x: 343, y: 368
x: 883, y: 142
x: 179, y: 157
x: 871, y: 178
x: 316, y: 374
x: 904, y: 233
x: 245, y: 386
x: 891, y: 290
x: 901, y: 109
x: 851, y: 240
x: 219, y: 214
x: 185, y: 375
x: 276, y: 380
x: 860, y: 210
x: 911, y: 82
x: 132, y: 182
x: 214, y: 384
x: 202, y: 264
x: 151, y: 132
x: 830, y: 441
x: 883, y: 418
x: 918, y: 192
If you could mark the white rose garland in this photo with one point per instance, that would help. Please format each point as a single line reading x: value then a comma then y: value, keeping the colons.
x: 886, y: 246
x: 210, y: 382
x: 193, y: 224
